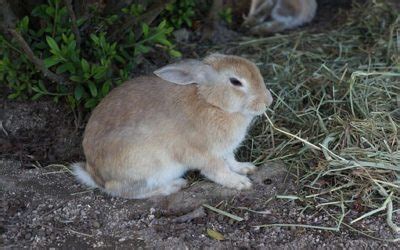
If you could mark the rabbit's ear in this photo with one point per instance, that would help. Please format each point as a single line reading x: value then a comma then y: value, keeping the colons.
x: 187, y: 72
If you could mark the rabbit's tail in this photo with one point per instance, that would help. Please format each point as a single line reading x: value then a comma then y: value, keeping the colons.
x: 82, y: 175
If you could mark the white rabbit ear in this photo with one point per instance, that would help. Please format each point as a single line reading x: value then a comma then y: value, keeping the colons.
x: 187, y: 72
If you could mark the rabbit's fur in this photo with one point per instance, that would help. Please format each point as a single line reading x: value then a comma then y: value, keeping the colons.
x: 270, y: 16
x: 145, y: 134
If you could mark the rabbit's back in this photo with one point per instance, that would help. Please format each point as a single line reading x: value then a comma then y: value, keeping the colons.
x: 136, y: 102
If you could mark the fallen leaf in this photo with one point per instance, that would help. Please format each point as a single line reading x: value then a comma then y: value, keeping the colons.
x: 215, y: 234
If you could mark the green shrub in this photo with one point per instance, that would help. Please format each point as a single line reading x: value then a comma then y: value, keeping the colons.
x: 180, y: 13
x: 226, y: 15
x: 92, y: 67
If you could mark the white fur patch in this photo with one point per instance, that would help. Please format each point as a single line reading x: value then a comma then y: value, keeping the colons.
x: 83, y: 176
x: 164, y: 176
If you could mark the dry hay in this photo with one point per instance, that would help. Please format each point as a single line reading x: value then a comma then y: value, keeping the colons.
x: 336, y: 115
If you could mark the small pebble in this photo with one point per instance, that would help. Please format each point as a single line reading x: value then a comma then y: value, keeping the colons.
x: 52, y: 237
x: 41, y: 233
x: 28, y: 236
x: 96, y: 224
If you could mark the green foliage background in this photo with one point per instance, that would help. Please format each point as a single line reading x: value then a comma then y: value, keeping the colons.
x: 99, y: 63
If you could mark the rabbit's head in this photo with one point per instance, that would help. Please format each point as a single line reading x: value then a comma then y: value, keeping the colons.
x: 231, y: 83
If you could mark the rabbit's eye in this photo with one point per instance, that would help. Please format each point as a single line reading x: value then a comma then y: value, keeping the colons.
x: 235, y: 82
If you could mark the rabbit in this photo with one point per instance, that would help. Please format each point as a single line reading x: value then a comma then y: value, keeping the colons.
x: 283, y: 14
x: 146, y: 133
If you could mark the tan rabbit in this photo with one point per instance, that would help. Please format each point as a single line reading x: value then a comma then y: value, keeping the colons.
x: 270, y: 16
x: 148, y: 132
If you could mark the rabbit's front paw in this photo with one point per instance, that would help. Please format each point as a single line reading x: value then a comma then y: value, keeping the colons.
x: 243, y: 167
x: 236, y: 181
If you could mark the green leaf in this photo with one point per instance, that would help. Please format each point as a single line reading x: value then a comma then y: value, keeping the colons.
x: 71, y: 101
x: 36, y: 89
x: 76, y: 78
x: 100, y: 72
x: 215, y: 234
x: 164, y: 41
x: 24, y: 23
x: 141, y: 49
x: 42, y: 87
x: 13, y: 96
x: 36, y: 96
x: 62, y: 69
x: 51, y: 61
x: 65, y: 67
x: 80, y: 21
x: 145, y: 29
x: 119, y: 59
x: 93, y: 89
x: 85, y: 66
x: 102, y: 40
x: 50, y: 11
x: 175, y: 53
x: 79, y: 91
x: 90, y: 103
x: 162, y: 24
x: 105, y: 89
x: 53, y: 45
x: 94, y: 38
x: 71, y: 47
x: 64, y: 38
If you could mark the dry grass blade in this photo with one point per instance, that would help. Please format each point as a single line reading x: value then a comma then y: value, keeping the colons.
x: 336, y: 229
x: 224, y: 213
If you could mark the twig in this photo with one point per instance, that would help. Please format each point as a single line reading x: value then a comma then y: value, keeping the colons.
x: 389, y: 213
x: 232, y: 216
x: 8, y: 25
x: 361, y: 232
x: 75, y: 29
x: 336, y: 229
x: 3, y: 129
x: 198, y: 213
x: 381, y: 208
x: 39, y: 64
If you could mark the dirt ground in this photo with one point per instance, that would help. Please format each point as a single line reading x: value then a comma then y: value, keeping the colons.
x: 42, y: 206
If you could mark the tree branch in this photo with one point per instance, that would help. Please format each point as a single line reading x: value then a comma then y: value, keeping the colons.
x: 8, y: 26
x: 75, y: 29
x: 39, y: 64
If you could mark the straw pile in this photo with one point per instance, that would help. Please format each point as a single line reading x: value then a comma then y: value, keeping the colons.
x: 336, y: 116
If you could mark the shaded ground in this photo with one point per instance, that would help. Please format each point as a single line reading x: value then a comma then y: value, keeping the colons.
x: 43, y: 206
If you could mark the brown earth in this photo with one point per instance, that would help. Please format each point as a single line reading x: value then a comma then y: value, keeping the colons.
x: 43, y: 206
